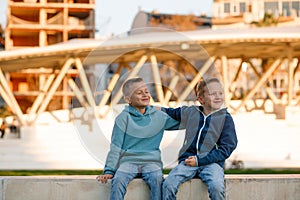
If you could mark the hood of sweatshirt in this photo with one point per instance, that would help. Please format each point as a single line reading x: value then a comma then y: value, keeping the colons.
x: 134, y: 112
x: 131, y: 121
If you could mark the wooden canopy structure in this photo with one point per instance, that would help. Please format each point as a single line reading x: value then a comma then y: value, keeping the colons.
x: 255, y: 57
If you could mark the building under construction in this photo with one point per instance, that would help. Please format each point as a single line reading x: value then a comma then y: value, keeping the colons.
x: 39, y: 23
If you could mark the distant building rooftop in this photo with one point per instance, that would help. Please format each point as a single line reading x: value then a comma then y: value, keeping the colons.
x: 170, y: 21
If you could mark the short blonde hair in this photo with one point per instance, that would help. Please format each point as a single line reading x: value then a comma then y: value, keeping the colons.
x: 127, y: 84
x: 203, y: 83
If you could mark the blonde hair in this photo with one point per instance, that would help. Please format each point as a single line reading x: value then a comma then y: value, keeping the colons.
x: 127, y: 84
x: 202, y: 84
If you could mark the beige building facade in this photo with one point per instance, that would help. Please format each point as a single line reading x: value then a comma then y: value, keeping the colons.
x: 251, y: 12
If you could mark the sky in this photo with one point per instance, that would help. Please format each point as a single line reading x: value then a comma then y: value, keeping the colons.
x: 116, y: 16
x: 3, y: 5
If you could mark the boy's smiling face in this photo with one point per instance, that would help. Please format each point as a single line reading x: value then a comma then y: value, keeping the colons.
x: 139, y: 95
x: 213, y: 97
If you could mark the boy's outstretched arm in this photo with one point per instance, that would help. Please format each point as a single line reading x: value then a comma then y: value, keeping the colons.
x: 175, y: 113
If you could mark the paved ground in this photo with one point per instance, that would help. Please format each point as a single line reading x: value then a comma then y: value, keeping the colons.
x: 264, y: 141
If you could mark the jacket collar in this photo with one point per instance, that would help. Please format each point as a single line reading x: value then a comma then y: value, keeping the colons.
x: 221, y: 110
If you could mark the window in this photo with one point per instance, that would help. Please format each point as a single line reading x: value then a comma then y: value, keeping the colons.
x: 286, y: 8
x: 296, y: 6
x: 242, y: 7
x: 226, y: 7
x: 271, y: 7
x: 250, y: 8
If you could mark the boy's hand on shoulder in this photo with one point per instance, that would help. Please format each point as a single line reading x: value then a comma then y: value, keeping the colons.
x: 104, y: 177
x: 191, y: 161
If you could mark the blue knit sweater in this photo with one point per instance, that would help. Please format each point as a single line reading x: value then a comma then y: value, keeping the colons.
x: 136, y: 137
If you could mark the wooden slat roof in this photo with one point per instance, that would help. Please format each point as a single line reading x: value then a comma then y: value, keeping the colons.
x: 234, y: 43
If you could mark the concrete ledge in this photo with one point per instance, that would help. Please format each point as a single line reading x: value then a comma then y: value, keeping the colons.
x: 238, y: 187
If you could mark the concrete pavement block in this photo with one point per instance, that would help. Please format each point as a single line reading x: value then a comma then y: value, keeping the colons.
x: 1, y: 188
x: 277, y: 187
x: 238, y: 187
x: 47, y: 188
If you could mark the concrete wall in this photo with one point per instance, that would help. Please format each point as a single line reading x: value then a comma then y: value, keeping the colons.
x: 238, y: 187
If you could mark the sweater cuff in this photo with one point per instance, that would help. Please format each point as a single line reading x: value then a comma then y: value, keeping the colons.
x: 108, y: 171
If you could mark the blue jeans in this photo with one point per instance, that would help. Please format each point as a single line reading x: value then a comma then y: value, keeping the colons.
x: 150, y: 173
x: 212, y: 175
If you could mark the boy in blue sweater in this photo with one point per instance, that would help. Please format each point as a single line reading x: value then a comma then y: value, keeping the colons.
x: 134, y: 150
x: 210, y: 139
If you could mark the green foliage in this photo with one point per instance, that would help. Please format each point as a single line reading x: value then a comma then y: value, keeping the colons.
x: 4, y: 112
x: 48, y: 172
x: 262, y: 171
x: 268, y: 20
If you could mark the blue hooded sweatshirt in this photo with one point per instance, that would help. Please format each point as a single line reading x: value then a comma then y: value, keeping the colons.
x: 136, y: 137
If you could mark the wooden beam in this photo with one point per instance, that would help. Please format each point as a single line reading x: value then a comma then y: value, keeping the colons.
x: 111, y: 86
x: 172, y: 86
x: 85, y: 83
x: 65, y: 97
x: 291, y: 69
x: 132, y: 74
x: 225, y: 80
x: 40, y: 98
x: 78, y: 93
x: 232, y: 86
x: 269, y: 91
x: 254, y: 69
x: 55, y: 85
x: 272, y: 95
x: 260, y: 82
x: 157, y: 79
x: 297, y: 66
x: 6, y: 99
x: 196, y: 79
x: 15, y: 106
